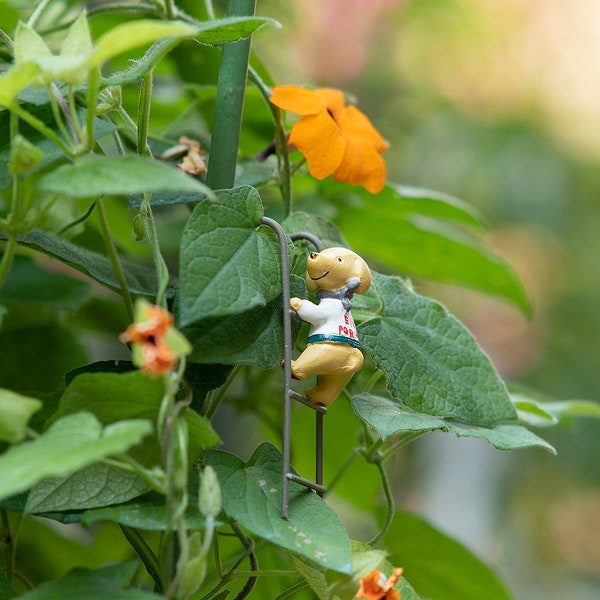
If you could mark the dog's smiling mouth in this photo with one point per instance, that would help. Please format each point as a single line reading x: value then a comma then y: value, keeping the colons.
x: 320, y: 276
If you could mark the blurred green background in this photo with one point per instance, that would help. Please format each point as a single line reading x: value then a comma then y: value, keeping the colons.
x: 498, y: 103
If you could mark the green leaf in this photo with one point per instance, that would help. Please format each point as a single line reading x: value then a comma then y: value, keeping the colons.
x: 78, y: 40
x: 254, y: 337
x: 148, y: 513
x: 387, y: 416
x: 418, y: 235
x: 27, y: 364
x: 113, y: 397
x: 127, y: 36
x: 92, y: 486
x: 325, y: 230
x: 16, y: 79
x: 543, y: 412
x: 107, y: 583
x: 430, y: 360
x: 208, y: 32
x: 252, y: 496
x: 94, y: 175
x: 15, y: 412
x: 71, y: 443
x: 438, y: 566
x: 141, y: 280
x: 229, y: 263
x: 28, y: 283
x: 29, y: 45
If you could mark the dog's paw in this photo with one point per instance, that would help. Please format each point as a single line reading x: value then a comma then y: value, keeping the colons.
x: 296, y: 303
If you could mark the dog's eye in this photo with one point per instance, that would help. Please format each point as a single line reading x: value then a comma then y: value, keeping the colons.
x: 340, y: 259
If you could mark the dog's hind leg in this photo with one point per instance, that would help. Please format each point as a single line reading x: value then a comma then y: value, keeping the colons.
x: 328, y: 388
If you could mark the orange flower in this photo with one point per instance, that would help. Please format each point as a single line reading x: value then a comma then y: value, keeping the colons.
x: 336, y: 139
x: 152, y: 336
x: 375, y: 586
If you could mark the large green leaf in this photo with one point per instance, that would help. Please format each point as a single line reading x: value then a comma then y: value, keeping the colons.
x: 71, y: 443
x: 212, y: 32
x: 28, y: 283
x: 438, y: 566
x: 229, y: 263
x: 254, y: 337
x: 113, y: 397
x: 35, y: 358
x: 148, y: 513
x: 387, y: 416
x: 417, y: 232
x: 94, y: 175
x: 140, y: 279
x: 106, y: 583
x: 431, y: 362
x: 94, y: 485
x: 252, y: 496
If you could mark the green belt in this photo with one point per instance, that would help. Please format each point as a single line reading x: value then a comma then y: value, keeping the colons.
x: 331, y: 337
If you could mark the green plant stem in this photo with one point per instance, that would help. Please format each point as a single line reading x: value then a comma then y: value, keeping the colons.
x: 214, y: 405
x: 114, y: 258
x: 8, y: 539
x: 281, y: 142
x: 210, y: 10
x: 170, y: 9
x: 406, y: 439
x: 7, y: 257
x: 231, y: 88
x: 37, y: 13
x: 389, y: 503
x: 91, y: 101
x: 265, y: 573
x: 341, y: 471
x: 249, y: 546
x: 148, y: 558
x: 297, y: 587
x: 143, y: 117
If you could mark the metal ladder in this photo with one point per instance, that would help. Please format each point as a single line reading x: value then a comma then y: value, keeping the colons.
x: 289, y: 394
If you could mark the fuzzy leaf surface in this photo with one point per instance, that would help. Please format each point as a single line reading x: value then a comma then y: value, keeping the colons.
x: 387, y: 416
x: 94, y: 175
x: 71, y: 443
x: 431, y: 362
x: 252, y: 496
x: 229, y: 263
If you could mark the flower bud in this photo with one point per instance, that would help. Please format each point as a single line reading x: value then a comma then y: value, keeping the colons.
x: 209, y: 500
x: 24, y: 155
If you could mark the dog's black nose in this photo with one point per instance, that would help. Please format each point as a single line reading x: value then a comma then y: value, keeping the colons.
x: 314, y: 255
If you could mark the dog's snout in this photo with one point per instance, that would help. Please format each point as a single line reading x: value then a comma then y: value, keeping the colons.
x: 314, y: 255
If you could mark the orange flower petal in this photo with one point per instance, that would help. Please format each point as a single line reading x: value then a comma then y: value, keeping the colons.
x: 372, y: 586
x: 356, y: 124
x: 319, y: 139
x: 335, y: 102
x: 297, y: 100
x: 361, y: 165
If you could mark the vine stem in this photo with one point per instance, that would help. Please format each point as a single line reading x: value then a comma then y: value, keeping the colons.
x: 389, y: 502
x: 297, y: 587
x: 7, y: 257
x: 281, y: 142
x: 231, y: 89
x: 35, y: 16
x: 114, y: 258
x: 144, y: 103
x: 138, y: 543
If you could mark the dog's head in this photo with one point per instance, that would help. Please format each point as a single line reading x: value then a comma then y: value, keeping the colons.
x: 333, y: 268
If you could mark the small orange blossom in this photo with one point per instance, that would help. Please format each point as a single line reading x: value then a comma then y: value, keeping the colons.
x: 375, y: 586
x: 336, y: 139
x: 157, y: 346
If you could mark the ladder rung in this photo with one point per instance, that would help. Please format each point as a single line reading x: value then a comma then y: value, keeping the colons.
x: 320, y: 489
x: 300, y: 398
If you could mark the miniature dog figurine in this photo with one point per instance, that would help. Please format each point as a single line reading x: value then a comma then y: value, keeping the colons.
x: 333, y: 351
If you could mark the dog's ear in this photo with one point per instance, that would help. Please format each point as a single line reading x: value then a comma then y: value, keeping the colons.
x: 362, y: 271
